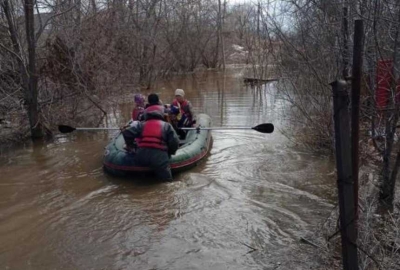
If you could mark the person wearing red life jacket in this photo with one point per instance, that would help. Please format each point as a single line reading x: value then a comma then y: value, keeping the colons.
x: 185, y: 109
x: 137, y: 113
x: 181, y: 113
x: 156, y: 139
x: 151, y: 98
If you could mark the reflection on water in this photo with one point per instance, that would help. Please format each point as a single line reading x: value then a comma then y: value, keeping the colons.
x: 59, y: 210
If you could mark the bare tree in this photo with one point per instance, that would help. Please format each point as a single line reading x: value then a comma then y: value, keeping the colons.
x: 27, y: 65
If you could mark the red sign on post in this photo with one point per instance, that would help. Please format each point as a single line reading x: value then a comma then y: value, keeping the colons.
x: 383, y: 77
x: 383, y: 80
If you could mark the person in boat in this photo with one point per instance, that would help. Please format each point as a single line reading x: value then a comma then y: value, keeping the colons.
x: 183, y: 109
x: 153, y: 99
x: 181, y: 112
x: 156, y: 139
x: 138, y: 110
x: 137, y: 113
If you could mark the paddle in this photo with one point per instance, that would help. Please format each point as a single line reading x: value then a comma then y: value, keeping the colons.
x: 263, y: 128
x: 68, y: 129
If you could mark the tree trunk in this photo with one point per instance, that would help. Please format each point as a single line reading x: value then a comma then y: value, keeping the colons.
x: 94, y: 6
x: 216, y: 56
x: 345, y: 53
x: 389, y: 178
x: 221, y: 23
x: 31, y: 91
x: 14, y: 40
x: 27, y: 73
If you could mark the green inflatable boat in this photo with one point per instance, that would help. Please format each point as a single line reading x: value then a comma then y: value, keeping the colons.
x: 192, y: 150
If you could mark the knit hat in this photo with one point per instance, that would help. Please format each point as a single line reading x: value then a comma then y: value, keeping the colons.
x: 179, y: 92
x: 139, y: 99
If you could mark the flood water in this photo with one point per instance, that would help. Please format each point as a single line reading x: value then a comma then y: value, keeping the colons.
x: 244, y: 207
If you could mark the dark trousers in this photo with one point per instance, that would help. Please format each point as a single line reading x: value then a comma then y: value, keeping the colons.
x: 129, y: 139
x: 157, y: 160
x: 181, y: 133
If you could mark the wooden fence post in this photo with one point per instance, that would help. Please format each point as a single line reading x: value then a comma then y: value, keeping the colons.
x: 355, y: 104
x: 344, y: 175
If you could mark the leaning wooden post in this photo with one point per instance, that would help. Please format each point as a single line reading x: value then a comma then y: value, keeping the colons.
x: 355, y: 103
x: 344, y: 175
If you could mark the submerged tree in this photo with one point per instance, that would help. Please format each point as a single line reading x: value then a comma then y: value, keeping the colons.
x: 24, y: 54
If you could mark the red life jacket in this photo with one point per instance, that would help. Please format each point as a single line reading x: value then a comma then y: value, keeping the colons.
x: 137, y: 113
x: 182, y: 106
x: 152, y: 135
x: 155, y: 111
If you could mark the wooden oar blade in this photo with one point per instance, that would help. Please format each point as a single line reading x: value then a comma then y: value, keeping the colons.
x: 65, y: 129
x: 264, y: 128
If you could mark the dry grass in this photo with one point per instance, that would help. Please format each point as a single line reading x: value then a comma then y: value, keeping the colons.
x: 378, y: 239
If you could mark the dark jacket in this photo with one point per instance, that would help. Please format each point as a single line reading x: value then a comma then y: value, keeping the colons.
x: 168, y: 134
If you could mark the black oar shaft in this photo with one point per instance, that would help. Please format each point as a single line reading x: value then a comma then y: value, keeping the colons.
x: 68, y: 129
x: 214, y: 128
x: 263, y: 128
x: 97, y: 128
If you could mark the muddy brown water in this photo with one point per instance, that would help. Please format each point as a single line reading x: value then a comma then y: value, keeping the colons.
x: 244, y: 207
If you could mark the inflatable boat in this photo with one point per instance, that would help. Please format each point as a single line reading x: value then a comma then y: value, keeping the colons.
x: 197, y: 144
